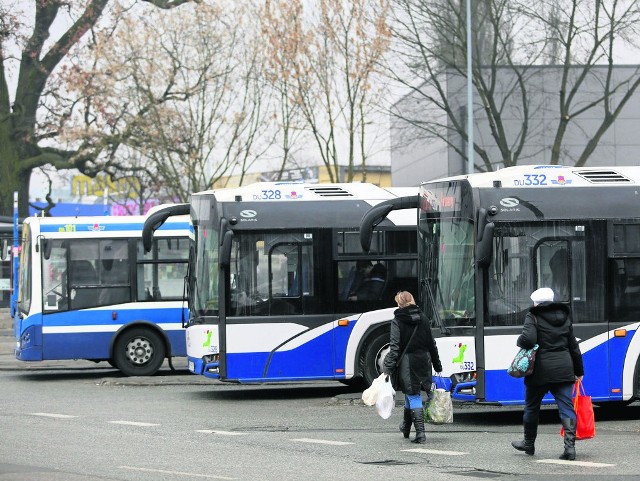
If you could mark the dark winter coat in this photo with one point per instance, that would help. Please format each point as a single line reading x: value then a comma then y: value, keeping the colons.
x: 558, y: 358
x: 414, y: 371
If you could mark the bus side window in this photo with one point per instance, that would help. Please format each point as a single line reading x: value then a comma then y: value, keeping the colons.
x: 553, y: 268
x: 54, y: 279
x: 82, y: 274
x: 626, y: 286
x: 160, y: 273
x: 559, y: 265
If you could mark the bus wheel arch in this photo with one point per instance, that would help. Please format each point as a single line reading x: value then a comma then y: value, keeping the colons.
x: 372, y: 353
x: 139, y: 349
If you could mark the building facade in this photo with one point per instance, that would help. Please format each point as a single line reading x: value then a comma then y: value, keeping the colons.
x: 425, y: 145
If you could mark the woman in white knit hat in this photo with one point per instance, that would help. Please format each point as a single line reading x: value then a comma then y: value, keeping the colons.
x: 558, y: 365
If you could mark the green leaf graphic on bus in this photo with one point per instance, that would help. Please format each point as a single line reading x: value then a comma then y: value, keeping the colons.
x: 459, y: 359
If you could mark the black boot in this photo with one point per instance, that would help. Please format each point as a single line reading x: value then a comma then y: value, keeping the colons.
x: 569, y: 439
x: 418, y: 422
x: 405, y: 426
x: 528, y: 443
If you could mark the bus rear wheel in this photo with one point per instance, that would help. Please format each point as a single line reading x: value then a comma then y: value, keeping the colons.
x: 373, y: 359
x: 139, y: 352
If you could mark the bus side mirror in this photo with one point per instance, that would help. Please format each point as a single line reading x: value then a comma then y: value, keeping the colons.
x: 377, y: 214
x: 46, y: 248
x: 225, y: 249
x: 155, y: 220
x: 484, y: 237
x: 369, y: 221
x: 484, y: 247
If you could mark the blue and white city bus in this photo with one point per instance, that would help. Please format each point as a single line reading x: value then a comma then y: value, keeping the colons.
x: 280, y: 288
x: 487, y: 240
x: 88, y: 290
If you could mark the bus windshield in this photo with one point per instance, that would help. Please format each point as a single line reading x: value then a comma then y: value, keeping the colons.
x: 205, y: 281
x: 447, y: 269
x: 24, y: 281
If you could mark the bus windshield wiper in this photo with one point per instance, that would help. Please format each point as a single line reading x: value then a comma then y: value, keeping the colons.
x: 428, y: 288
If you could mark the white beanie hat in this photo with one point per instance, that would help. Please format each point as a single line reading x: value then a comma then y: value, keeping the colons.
x: 544, y: 294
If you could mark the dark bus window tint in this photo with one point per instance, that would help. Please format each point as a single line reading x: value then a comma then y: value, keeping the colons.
x: 626, y: 239
x: 625, y: 280
x: 273, y: 273
x: 160, y: 273
x: 55, y: 293
x: 565, y: 257
x: 113, y: 272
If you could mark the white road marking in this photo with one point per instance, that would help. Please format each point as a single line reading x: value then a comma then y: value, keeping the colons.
x: 223, y: 433
x: 321, y: 441
x: 52, y: 415
x: 179, y: 473
x: 435, y: 451
x: 575, y: 463
x: 133, y: 423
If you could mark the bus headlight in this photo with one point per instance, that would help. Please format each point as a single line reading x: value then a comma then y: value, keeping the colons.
x: 211, y: 358
x: 467, y: 376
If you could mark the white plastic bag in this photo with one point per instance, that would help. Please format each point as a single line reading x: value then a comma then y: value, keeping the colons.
x: 386, y: 399
x: 440, y: 408
x: 370, y: 395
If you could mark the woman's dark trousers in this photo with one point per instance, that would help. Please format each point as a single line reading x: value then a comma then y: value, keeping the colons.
x: 562, y: 393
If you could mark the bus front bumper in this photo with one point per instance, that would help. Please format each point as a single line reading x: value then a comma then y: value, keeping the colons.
x: 464, y: 391
x: 29, y: 345
x: 204, y: 367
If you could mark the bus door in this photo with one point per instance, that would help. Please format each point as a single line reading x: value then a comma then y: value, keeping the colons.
x: 624, y: 307
x: 74, y: 274
x: 292, y: 291
x: 274, y: 330
x: 574, y: 267
x: 570, y: 259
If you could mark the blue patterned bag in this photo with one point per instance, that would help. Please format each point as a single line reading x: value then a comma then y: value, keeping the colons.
x: 522, y: 364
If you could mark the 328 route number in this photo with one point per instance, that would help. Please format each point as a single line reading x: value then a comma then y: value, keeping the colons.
x: 271, y: 195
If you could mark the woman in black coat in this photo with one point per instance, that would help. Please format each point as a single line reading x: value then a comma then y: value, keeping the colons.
x: 557, y: 367
x: 414, y: 369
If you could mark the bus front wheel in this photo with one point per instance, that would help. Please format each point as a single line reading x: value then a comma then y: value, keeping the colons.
x: 373, y: 359
x: 139, y: 352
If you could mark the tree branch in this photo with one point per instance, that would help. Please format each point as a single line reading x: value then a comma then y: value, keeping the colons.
x: 168, y: 4
x: 71, y: 37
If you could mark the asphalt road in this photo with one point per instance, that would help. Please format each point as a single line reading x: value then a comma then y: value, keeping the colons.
x: 77, y: 420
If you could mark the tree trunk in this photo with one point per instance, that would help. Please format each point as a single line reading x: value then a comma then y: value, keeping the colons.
x: 12, y: 179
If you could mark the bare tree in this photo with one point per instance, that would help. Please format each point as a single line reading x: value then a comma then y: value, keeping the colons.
x: 195, y: 106
x: 333, y: 53
x: 431, y: 43
x: 511, y: 40
x: 588, y: 33
x: 24, y: 146
x: 284, y: 46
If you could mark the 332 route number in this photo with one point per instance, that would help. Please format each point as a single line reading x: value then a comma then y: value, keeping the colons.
x: 467, y: 366
x: 532, y: 179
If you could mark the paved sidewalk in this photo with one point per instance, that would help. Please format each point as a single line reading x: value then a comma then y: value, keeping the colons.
x: 5, y: 319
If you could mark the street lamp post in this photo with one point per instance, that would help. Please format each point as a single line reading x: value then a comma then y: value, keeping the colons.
x: 14, y: 253
x: 470, y: 161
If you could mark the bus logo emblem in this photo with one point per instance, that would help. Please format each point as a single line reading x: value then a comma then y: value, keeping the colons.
x: 248, y: 214
x: 509, y: 202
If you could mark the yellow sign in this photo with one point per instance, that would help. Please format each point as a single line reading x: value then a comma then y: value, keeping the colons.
x: 84, y: 185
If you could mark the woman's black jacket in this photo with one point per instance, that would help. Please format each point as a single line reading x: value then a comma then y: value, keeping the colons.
x: 558, y: 358
x: 414, y: 371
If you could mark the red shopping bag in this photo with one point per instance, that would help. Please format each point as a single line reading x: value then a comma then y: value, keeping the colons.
x: 585, y: 423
